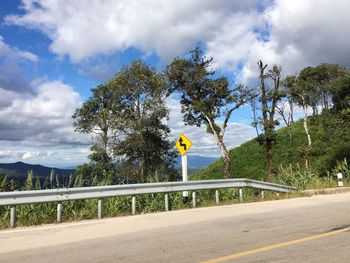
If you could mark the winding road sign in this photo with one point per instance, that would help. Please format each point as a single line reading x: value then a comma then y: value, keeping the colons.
x: 183, y: 144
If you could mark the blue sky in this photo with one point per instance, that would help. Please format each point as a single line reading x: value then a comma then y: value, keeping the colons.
x: 53, y: 52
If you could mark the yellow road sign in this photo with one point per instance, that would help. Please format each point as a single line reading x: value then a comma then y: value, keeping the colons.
x: 183, y: 144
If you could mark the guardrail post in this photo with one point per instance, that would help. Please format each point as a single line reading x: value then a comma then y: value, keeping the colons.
x: 241, y: 195
x: 217, y: 197
x: 262, y: 195
x: 166, y: 200
x: 194, y: 203
x: 133, y: 205
x: 99, y: 209
x: 59, y: 212
x: 13, y: 216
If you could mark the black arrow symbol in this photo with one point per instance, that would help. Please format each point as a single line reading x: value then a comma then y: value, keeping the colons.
x: 182, y: 144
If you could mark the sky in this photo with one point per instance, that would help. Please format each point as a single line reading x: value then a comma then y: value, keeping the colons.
x: 52, y: 52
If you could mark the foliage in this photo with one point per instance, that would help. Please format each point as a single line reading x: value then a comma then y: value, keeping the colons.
x: 205, y: 97
x: 97, y: 116
x: 341, y: 167
x: 128, y: 114
x: 341, y: 96
x: 269, y: 96
x: 144, y: 144
x: 295, y: 176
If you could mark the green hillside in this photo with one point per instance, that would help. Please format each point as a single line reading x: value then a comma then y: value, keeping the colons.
x: 331, y: 142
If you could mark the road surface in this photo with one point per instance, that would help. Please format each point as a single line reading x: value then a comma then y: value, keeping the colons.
x: 311, y: 229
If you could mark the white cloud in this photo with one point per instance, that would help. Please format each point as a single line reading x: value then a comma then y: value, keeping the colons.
x: 58, y: 156
x: 43, y: 118
x: 293, y: 34
x: 12, y: 77
x: 297, y: 34
x: 15, y: 53
x: 167, y: 28
x: 237, y: 33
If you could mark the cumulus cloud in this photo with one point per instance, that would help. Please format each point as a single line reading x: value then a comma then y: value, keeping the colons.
x: 237, y: 33
x: 166, y: 28
x: 294, y: 34
x: 35, y: 114
x: 13, y: 79
x: 10, y: 155
x: 15, y: 53
x: 43, y: 118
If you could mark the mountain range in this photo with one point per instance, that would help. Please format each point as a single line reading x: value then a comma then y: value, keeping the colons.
x: 19, y: 170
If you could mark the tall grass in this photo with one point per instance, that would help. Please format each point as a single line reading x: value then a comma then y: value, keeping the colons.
x: 36, y: 214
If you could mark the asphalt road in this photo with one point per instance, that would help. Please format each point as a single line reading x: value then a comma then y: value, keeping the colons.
x: 312, y: 229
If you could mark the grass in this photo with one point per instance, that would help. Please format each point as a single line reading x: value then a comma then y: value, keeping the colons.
x: 37, y: 214
x: 331, y: 150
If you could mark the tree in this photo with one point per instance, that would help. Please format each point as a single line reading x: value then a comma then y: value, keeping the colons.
x: 325, y: 76
x: 255, y: 123
x: 269, y: 99
x: 97, y: 116
x: 301, y: 90
x: 127, y: 114
x: 340, y: 91
x: 143, y: 142
x: 205, y: 98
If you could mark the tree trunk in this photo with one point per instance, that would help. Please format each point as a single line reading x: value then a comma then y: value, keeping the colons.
x: 142, y: 170
x: 325, y: 99
x: 291, y: 106
x: 253, y: 105
x: 309, y: 142
x: 291, y: 137
x: 269, y: 160
x: 224, y: 152
x: 265, y: 110
x: 227, y: 160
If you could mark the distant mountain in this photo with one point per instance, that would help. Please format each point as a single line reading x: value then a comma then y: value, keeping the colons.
x: 197, y: 162
x: 19, y: 170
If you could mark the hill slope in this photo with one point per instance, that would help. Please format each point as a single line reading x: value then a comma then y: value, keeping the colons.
x: 331, y: 142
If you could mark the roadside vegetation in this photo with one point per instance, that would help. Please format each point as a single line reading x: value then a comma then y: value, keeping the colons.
x: 329, y: 155
x: 126, y: 119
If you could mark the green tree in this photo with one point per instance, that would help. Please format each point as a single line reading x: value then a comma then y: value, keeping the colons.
x: 97, y: 116
x: 302, y: 91
x: 326, y: 76
x: 206, y: 98
x: 127, y: 114
x: 143, y: 142
x: 341, y: 96
x: 269, y: 98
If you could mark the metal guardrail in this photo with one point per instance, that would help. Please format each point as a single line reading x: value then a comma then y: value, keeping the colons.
x: 66, y: 194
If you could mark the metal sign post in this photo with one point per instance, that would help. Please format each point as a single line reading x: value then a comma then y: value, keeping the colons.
x: 184, y: 174
x: 183, y: 144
